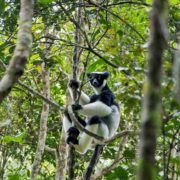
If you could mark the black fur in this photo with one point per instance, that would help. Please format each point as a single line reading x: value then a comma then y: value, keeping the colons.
x: 73, y: 133
x: 67, y: 115
x: 82, y: 122
x: 94, y: 98
x: 106, y: 96
x: 94, y: 120
x: 72, y: 140
x: 96, y: 79
x: 76, y: 107
x: 74, y: 84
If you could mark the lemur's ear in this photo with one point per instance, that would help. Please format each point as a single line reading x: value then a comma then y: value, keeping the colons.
x: 89, y: 75
x: 106, y: 75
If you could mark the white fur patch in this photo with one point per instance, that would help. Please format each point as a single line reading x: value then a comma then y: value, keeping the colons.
x: 99, y: 89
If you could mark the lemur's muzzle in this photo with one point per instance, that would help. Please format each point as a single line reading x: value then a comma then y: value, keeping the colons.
x: 95, y: 83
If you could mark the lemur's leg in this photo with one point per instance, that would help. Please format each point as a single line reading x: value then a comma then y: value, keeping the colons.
x: 67, y: 123
x: 113, y: 120
x: 72, y: 132
x: 97, y: 108
x: 96, y: 126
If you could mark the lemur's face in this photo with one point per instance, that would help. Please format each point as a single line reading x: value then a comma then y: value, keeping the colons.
x: 98, y: 79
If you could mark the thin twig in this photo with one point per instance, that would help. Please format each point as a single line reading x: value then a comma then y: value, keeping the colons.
x: 54, y: 104
x: 115, y: 15
x: 32, y: 91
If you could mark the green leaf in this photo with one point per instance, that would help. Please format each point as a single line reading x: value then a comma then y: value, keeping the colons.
x: 45, y: 1
x: 2, y: 6
x: 118, y: 173
x: 18, y: 138
x: 95, y: 66
x: 14, y: 177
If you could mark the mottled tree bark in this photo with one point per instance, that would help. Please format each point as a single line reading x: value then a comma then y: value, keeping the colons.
x: 22, y: 50
x: 177, y: 69
x: 43, y: 125
x: 61, y: 157
x: 44, y: 115
x: 152, y: 99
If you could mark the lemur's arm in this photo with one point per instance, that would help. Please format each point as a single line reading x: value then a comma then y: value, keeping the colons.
x: 84, y: 98
x: 97, y: 108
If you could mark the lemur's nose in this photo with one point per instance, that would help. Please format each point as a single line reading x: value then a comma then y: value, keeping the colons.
x: 95, y: 82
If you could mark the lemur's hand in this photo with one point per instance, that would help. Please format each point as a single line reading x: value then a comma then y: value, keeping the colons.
x: 74, y: 84
x: 76, y: 107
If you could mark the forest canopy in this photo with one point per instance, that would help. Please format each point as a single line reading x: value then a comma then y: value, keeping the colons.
x: 46, y: 43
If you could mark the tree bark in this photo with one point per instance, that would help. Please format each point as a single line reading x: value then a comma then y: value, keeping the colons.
x: 43, y: 125
x: 152, y: 99
x: 61, y: 156
x: 44, y: 116
x: 22, y: 50
x: 75, y: 61
x: 177, y: 69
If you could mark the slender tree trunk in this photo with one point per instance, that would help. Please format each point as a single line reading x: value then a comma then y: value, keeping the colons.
x: 43, y: 125
x: 22, y: 50
x: 44, y: 117
x: 152, y: 99
x: 177, y: 69
x: 75, y: 61
x: 61, y: 156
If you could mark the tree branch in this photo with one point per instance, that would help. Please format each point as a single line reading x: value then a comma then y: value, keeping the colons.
x: 115, y: 15
x: 22, y: 50
x: 45, y: 99
x: 100, y: 138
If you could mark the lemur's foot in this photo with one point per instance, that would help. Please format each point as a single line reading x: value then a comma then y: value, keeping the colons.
x: 72, y: 140
x: 73, y: 133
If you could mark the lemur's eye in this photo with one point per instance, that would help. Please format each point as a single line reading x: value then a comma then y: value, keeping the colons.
x: 90, y: 76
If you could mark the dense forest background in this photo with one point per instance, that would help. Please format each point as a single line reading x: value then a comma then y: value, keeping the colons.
x: 71, y: 38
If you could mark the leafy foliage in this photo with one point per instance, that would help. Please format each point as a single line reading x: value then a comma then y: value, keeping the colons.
x: 117, y: 32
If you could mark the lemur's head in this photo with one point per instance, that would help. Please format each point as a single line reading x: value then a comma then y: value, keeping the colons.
x: 98, y: 79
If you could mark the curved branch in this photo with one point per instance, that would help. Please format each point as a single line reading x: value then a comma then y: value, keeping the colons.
x: 22, y: 50
x: 100, y: 138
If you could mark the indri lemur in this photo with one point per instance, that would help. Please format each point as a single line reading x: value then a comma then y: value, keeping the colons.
x: 101, y: 111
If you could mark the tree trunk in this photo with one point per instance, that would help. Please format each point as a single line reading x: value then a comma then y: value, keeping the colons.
x: 22, y: 50
x: 152, y: 99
